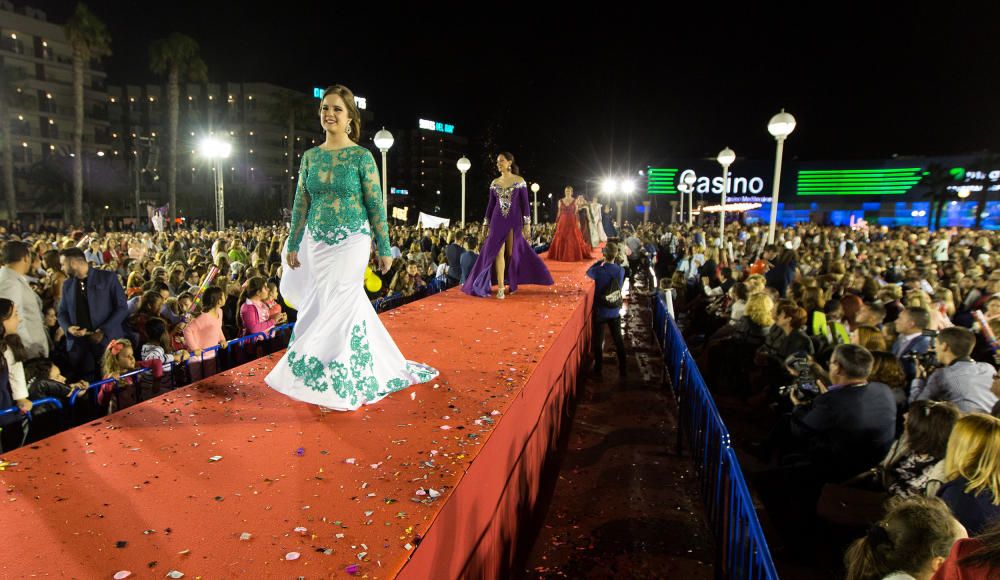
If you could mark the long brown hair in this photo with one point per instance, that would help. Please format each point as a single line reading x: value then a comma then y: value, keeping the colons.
x: 253, y: 287
x: 352, y: 109
x: 11, y: 341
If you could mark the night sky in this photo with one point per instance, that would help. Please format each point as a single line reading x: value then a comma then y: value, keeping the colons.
x: 586, y: 90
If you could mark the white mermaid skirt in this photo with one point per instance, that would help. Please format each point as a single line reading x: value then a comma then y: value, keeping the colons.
x: 340, y: 356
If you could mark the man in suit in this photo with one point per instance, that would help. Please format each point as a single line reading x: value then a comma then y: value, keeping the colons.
x: 15, y: 287
x: 468, y: 258
x: 453, y: 252
x: 910, y: 325
x: 91, y: 313
x: 849, y: 427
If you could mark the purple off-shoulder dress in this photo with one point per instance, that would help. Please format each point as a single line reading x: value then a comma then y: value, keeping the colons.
x: 508, y: 210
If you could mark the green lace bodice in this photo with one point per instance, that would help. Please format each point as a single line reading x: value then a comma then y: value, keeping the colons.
x: 338, y: 194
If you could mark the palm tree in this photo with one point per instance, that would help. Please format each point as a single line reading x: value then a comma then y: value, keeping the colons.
x: 936, y: 179
x: 10, y: 78
x: 177, y: 57
x: 294, y: 110
x: 89, y: 39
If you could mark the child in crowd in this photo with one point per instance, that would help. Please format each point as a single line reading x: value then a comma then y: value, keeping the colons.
x: 273, y: 307
x: 119, y: 359
x: 45, y: 379
x: 158, y: 344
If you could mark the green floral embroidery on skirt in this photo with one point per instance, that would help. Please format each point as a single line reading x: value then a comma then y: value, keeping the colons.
x: 357, y: 381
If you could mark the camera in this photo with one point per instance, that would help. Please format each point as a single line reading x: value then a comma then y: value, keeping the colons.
x: 928, y: 360
x: 804, y: 387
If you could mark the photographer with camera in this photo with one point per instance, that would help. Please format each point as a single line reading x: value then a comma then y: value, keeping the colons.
x: 912, y: 340
x: 608, y: 278
x: 959, y: 379
x: 850, y: 425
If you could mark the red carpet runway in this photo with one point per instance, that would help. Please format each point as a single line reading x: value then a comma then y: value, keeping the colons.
x: 229, y: 479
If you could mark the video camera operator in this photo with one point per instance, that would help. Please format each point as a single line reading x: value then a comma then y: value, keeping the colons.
x: 912, y: 340
x: 959, y: 379
x: 850, y: 425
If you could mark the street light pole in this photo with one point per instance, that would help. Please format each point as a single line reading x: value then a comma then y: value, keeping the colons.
x: 463, y: 165
x: 725, y: 158
x: 628, y: 188
x: 217, y: 151
x: 780, y: 126
x: 384, y: 140
x: 220, y: 196
x: 689, y: 179
x: 534, y: 189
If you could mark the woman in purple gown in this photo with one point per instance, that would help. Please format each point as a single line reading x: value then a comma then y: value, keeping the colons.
x: 506, y: 255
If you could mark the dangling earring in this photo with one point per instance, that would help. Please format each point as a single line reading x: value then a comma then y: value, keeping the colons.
x: 348, y: 129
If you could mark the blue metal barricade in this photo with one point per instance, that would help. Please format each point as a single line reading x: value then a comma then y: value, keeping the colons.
x: 742, y: 550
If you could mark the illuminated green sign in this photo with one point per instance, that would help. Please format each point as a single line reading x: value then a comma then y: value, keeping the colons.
x: 895, y: 181
x: 661, y: 181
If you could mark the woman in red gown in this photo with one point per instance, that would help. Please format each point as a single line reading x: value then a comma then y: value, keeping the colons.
x: 568, y: 244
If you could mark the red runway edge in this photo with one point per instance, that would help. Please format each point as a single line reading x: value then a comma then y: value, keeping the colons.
x: 228, y: 479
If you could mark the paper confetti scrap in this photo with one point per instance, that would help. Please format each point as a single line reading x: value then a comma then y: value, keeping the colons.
x: 215, y: 458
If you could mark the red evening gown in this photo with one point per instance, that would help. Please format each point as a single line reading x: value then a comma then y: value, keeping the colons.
x: 568, y: 244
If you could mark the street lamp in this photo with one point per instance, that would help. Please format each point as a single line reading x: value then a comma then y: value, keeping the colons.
x: 534, y: 189
x: 725, y: 159
x: 627, y: 187
x: 463, y: 165
x: 688, y: 180
x: 610, y: 187
x: 217, y: 150
x: 384, y: 140
x: 780, y: 126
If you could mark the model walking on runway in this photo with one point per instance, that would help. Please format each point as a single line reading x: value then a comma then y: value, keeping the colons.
x: 506, y: 255
x: 568, y: 244
x: 340, y: 356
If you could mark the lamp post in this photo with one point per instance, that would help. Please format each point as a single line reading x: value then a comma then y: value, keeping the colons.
x: 684, y: 189
x: 725, y: 159
x: 217, y: 150
x: 689, y: 179
x: 627, y: 187
x: 610, y: 187
x: 384, y: 140
x: 780, y: 126
x: 534, y: 189
x: 463, y: 165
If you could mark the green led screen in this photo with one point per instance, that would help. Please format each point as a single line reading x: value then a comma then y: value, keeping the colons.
x: 661, y: 181
x: 895, y: 181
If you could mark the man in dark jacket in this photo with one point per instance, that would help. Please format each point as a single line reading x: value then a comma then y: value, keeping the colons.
x: 849, y: 427
x: 607, y: 306
x: 91, y: 313
x: 453, y: 253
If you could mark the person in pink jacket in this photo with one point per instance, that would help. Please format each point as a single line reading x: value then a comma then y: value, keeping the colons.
x: 255, y: 316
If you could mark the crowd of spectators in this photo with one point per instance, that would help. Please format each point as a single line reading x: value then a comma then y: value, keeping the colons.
x: 83, y: 305
x: 869, y: 353
x: 866, y: 360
